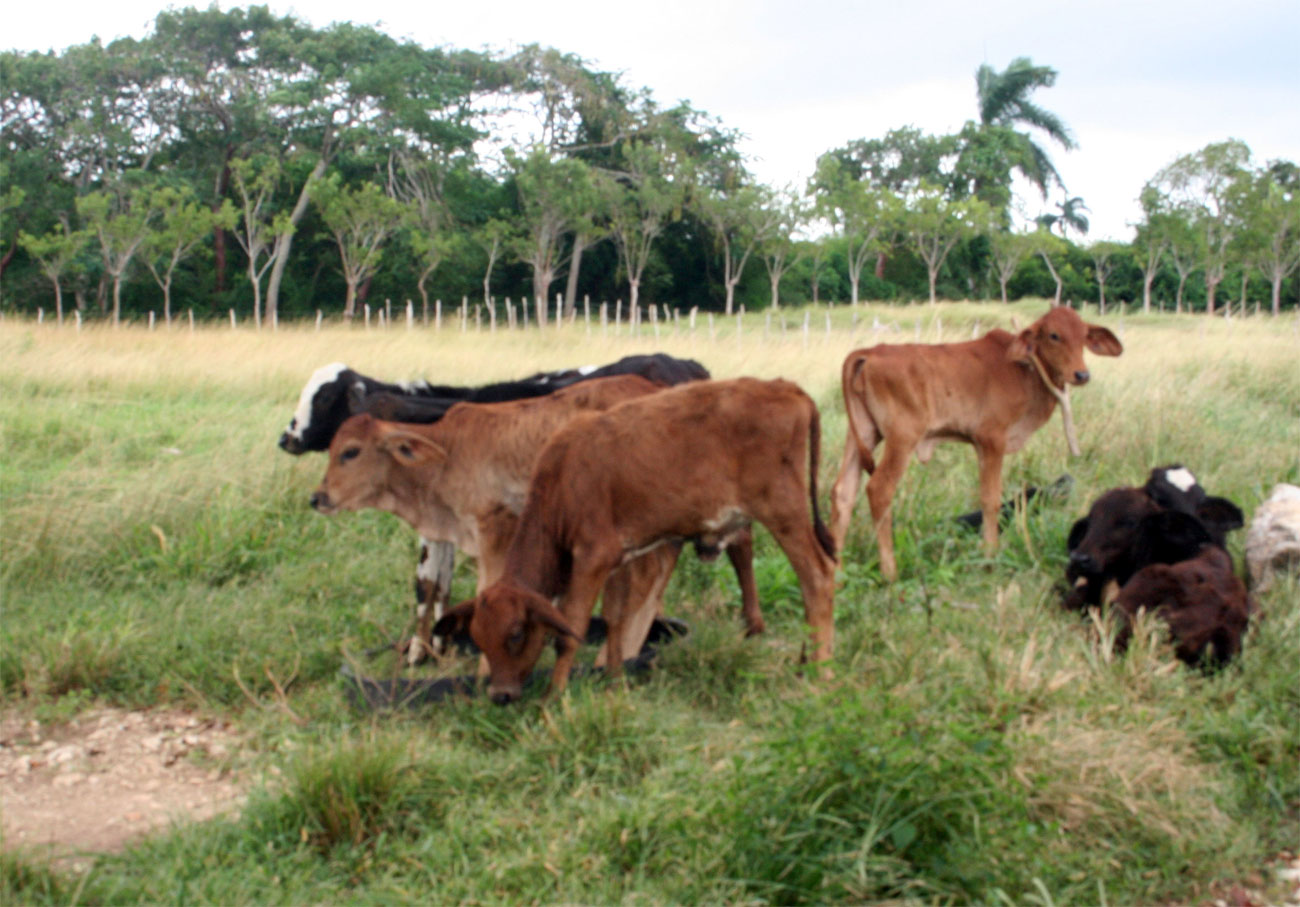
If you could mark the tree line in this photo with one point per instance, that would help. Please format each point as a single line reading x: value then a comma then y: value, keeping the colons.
x: 243, y: 160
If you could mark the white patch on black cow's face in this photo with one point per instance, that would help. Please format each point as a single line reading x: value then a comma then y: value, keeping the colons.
x: 414, y: 387
x: 1181, y: 478
x: 587, y: 369
x: 302, y: 415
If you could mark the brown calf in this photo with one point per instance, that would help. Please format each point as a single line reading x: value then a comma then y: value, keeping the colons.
x: 987, y: 393
x: 697, y: 460
x: 464, y: 480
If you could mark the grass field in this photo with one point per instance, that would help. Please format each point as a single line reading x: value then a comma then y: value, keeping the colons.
x: 977, y: 744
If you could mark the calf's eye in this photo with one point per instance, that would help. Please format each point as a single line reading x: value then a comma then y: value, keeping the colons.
x: 350, y: 454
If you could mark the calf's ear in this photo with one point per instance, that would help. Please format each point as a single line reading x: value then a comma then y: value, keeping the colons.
x: 1102, y: 342
x: 409, y: 448
x: 356, y: 397
x: 1220, y: 514
x: 1022, y: 346
x: 548, y: 615
x: 456, y: 620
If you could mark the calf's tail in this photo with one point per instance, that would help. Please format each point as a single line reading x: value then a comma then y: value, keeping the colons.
x: 814, y: 461
x: 854, y: 385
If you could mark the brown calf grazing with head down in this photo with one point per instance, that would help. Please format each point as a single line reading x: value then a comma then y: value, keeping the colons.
x: 987, y: 393
x: 700, y: 459
x: 464, y: 480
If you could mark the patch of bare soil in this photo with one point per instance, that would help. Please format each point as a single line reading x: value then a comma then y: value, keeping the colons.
x: 110, y: 776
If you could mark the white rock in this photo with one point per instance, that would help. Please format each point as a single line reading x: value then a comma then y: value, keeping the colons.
x: 1273, y: 539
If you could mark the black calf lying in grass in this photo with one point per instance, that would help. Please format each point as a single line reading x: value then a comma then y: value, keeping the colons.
x: 1161, y: 548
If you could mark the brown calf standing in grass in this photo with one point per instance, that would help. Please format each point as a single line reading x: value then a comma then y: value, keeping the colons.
x: 464, y: 480
x: 991, y: 393
x: 697, y: 460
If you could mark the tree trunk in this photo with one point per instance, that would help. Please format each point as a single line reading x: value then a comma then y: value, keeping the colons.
x: 1277, y: 294
x: 350, y: 301
x: 117, y: 299
x: 218, y: 234
x: 257, y: 293
x: 880, y: 265
x: 284, y: 243
x: 575, y: 262
x: 934, y: 280
x: 58, y: 301
x: 1210, y: 287
x: 1147, y: 280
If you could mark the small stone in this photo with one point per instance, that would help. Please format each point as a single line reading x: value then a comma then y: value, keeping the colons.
x: 63, y: 754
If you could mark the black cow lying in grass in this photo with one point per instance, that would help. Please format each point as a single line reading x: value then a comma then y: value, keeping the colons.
x: 335, y: 392
x: 1161, y: 548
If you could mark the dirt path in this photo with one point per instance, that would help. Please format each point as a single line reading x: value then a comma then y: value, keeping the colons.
x: 111, y: 776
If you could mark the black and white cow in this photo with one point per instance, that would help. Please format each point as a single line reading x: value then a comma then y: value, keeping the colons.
x: 335, y: 392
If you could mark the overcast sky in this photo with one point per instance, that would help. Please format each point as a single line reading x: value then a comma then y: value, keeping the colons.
x: 1140, y: 82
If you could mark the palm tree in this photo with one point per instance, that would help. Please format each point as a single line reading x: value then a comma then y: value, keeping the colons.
x: 1070, y: 218
x: 1004, y: 105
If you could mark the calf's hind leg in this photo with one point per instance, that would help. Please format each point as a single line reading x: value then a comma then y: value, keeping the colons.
x: 880, y: 494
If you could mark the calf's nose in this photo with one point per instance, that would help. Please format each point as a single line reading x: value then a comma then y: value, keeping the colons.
x: 319, y: 499
x: 502, y: 697
x: 1081, y: 376
x: 1083, y: 562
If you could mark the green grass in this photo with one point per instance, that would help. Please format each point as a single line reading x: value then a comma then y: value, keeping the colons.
x: 977, y: 745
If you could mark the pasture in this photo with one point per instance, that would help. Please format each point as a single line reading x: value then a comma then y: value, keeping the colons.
x: 976, y: 744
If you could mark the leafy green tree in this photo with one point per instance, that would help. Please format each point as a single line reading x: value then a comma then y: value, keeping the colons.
x: 1272, y: 215
x: 933, y: 224
x: 493, y: 236
x: 781, y: 251
x: 420, y: 183
x: 360, y: 220
x: 1152, y: 239
x: 1208, y: 186
x: 57, y: 253
x: 742, y: 218
x: 260, y: 224
x: 552, y: 194
x: 1007, y: 251
x: 643, y: 197
x: 120, y: 218
x: 863, y: 214
x: 182, y: 222
x: 1104, y: 254
x: 1052, y: 250
x: 1185, y: 250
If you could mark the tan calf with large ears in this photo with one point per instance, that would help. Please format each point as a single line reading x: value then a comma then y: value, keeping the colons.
x: 991, y: 393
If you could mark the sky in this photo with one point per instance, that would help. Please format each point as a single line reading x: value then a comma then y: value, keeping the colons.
x: 1141, y: 82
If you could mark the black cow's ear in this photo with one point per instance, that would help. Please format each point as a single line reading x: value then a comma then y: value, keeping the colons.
x: 455, y: 620
x: 1077, y: 532
x: 1220, y: 515
x: 357, y: 397
x: 1168, y: 537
